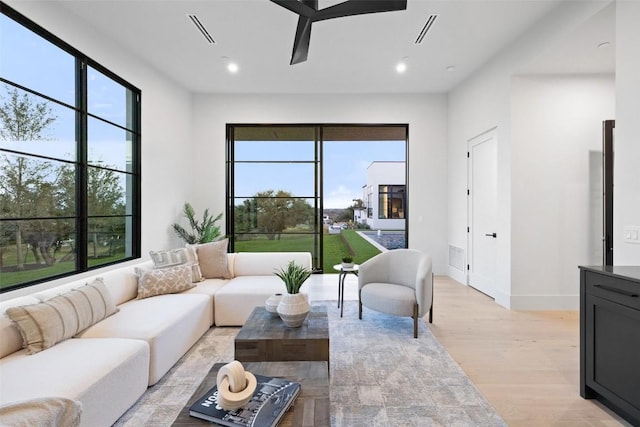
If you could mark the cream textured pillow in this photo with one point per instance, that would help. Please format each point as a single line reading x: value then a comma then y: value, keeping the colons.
x: 49, y: 322
x: 165, y: 281
x: 212, y: 258
x: 176, y: 257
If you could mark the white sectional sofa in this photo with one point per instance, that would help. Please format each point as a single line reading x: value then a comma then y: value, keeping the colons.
x: 109, y: 365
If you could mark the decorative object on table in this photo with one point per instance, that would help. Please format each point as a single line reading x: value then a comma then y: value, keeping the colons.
x: 204, y: 231
x: 259, y: 400
x: 271, y: 304
x: 293, y: 307
x: 235, y: 386
x: 347, y: 261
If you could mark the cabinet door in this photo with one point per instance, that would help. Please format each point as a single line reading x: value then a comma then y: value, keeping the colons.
x: 613, y: 352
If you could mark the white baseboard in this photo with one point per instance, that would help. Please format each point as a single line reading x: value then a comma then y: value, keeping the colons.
x: 525, y: 302
x: 457, y: 275
x: 545, y: 302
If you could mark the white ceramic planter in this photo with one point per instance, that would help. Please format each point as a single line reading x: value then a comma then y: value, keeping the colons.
x: 271, y: 304
x: 293, y: 309
x: 347, y: 265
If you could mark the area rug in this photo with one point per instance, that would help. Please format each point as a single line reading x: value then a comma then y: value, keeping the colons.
x: 380, y: 376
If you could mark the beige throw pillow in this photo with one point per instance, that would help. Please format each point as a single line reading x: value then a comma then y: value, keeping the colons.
x: 64, y: 316
x: 164, y: 281
x: 176, y: 257
x: 212, y: 258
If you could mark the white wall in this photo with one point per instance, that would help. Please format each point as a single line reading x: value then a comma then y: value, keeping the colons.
x: 425, y: 114
x: 556, y: 126
x: 626, y: 194
x: 166, y: 130
x: 483, y: 102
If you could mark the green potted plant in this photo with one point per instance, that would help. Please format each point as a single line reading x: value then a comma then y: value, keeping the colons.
x: 293, y: 307
x: 204, y: 231
x: 347, y: 261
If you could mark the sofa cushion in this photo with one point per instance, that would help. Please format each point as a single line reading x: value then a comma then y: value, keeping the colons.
x: 10, y: 338
x: 47, y: 323
x: 106, y: 375
x: 170, y: 324
x: 237, y: 299
x: 208, y: 287
x: 212, y: 258
x: 164, y: 281
x: 266, y: 263
x: 176, y: 257
x: 121, y: 282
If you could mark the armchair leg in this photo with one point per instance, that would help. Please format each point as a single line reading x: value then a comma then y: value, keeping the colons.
x: 433, y: 276
x: 415, y: 320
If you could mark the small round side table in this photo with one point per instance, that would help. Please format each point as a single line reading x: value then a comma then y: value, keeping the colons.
x: 343, y: 273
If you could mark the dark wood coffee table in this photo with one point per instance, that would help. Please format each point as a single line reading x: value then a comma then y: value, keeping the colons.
x: 311, y: 407
x: 265, y: 338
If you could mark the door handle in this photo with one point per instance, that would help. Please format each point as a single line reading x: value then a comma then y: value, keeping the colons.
x: 494, y: 235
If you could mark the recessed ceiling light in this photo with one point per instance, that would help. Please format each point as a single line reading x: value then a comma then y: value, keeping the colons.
x: 604, y: 44
x: 401, y: 67
x: 451, y: 68
x: 232, y: 67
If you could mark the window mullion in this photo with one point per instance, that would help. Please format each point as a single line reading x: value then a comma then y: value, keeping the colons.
x: 81, y: 165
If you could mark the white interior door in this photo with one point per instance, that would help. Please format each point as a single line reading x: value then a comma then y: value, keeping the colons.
x: 482, y: 202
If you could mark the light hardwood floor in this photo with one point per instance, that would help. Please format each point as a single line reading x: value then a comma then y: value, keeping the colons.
x: 525, y: 363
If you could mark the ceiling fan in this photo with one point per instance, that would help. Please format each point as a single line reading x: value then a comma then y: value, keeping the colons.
x: 309, y: 13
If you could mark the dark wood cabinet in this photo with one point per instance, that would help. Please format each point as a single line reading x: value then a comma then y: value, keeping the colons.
x: 610, y: 338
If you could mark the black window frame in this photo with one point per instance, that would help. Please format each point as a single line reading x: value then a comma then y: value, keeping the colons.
x: 398, y: 190
x: 318, y: 258
x: 81, y: 162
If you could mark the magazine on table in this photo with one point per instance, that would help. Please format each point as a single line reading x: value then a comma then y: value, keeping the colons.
x: 270, y: 401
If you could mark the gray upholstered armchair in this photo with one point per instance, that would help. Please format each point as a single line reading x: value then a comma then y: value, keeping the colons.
x: 397, y: 282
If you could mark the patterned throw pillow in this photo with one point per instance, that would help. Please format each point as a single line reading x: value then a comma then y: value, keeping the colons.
x: 176, y: 257
x: 162, y: 281
x: 64, y: 316
x: 212, y: 258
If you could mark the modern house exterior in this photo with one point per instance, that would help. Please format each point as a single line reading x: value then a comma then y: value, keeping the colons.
x: 383, y: 197
x: 547, y: 121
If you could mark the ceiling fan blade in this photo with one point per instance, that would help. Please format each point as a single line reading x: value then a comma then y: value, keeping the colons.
x: 359, y: 7
x: 305, y: 8
x: 301, y: 42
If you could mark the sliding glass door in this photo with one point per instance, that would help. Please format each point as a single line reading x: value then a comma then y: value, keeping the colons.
x: 323, y: 189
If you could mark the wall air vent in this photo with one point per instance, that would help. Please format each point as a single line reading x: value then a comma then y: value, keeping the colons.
x: 456, y: 257
x: 427, y: 26
x: 201, y: 28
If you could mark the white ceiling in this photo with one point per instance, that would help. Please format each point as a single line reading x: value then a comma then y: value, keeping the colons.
x: 355, y: 54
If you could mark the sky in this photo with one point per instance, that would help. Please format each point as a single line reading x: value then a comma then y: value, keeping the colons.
x: 344, y: 167
x: 25, y: 54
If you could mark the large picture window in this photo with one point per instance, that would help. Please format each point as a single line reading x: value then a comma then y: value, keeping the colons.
x: 69, y: 159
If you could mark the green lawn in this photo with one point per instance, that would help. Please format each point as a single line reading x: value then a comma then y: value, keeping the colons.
x: 33, y: 272
x: 286, y: 243
x: 362, y: 250
x: 334, y: 247
x: 334, y: 250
